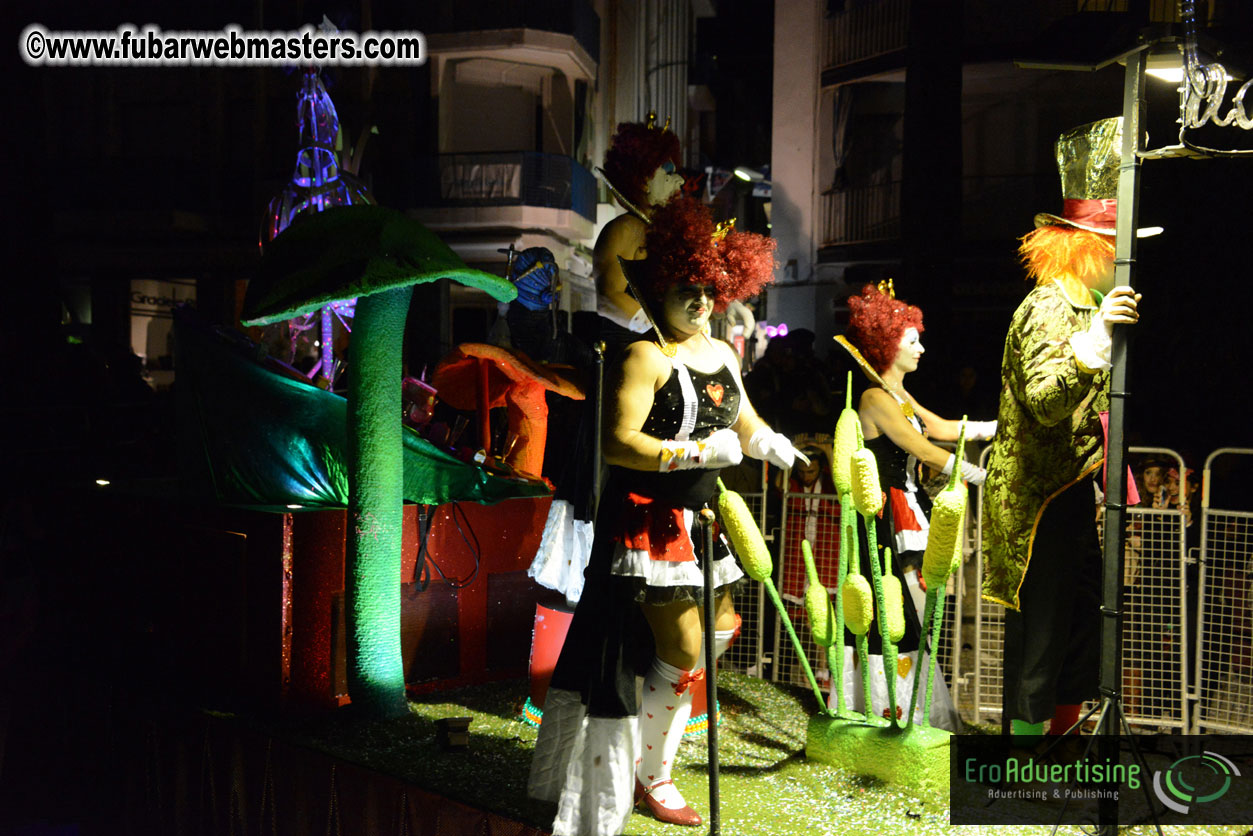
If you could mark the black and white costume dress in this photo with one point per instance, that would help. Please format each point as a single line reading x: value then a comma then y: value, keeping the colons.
x: 644, y: 552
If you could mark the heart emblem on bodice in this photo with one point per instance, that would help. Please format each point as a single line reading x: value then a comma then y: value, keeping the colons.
x: 715, y: 391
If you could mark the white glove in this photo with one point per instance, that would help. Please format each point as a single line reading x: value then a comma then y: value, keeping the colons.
x: 720, y: 449
x: 776, y: 448
x: 970, y: 472
x: 1093, y: 347
x: 980, y: 430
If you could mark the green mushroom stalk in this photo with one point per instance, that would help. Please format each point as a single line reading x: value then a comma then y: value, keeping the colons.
x: 375, y: 255
x: 375, y: 504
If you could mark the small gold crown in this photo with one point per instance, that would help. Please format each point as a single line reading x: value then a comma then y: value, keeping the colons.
x: 650, y: 121
x: 886, y: 287
x: 722, y: 230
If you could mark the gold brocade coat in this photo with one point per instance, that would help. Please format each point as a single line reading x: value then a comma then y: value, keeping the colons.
x: 1048, y: 435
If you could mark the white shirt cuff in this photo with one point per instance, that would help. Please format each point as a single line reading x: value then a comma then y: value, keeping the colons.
x: 1088, y: 353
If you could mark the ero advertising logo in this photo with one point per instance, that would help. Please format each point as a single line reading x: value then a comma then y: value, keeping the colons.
x: 1176, y: 779
x: 1195, y: 779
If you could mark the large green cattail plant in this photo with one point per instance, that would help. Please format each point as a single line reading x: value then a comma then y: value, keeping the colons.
x: 942, y: 557
x: 848, y: 440
x: 751, y: 547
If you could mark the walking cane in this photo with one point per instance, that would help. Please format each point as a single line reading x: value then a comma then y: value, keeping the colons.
x: 598, y: 415
x: 711, y: 683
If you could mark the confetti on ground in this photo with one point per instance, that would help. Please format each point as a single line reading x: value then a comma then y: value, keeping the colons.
x: 767, y: 787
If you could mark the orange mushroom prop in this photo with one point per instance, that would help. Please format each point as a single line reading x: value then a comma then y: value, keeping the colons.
x: 480, y: 376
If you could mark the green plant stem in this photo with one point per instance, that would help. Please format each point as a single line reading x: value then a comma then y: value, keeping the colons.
x: 796, y: 642
x: 835, y: 664
x: 863, y: 653
x: 938, y: 619
x: 928, y: 611
x: 889, y: 648
x: 847, y: 532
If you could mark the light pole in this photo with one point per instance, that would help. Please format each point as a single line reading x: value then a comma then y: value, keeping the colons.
x: 1112, y: 718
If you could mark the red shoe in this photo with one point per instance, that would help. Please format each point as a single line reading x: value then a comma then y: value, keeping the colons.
x: 683, y: 816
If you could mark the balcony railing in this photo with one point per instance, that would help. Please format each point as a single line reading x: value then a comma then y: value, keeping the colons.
x: 567, y: 17
x: 1160, y: 11
x: 858, y: 215
x: 998, y: 207
x: 864, y: 30
x: 514, y: 178
x: 868, y: 28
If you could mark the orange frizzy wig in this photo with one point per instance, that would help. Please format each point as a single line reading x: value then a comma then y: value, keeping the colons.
x: 682, y: 250
x: 1067, y: 253
x: 635, y: 152
x: 876, y: 324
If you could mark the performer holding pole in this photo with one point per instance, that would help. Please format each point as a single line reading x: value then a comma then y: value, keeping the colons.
x: 675, y: 415
x: 1042, y: 560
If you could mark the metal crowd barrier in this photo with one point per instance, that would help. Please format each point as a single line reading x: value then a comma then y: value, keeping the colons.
x: 1155, y: 612
x: 748, y: 653
x: 790, y: 580
x: 1223, y: 681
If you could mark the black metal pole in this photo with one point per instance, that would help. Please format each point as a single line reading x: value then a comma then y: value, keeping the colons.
x: 711, y: 676
x: 598, y: 416
x: 1111, y: 717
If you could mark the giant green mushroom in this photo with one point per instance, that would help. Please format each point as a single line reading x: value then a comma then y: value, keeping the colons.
x: 376, y: 255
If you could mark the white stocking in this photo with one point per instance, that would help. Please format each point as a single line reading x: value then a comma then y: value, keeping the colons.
x: 723, y: 639
x: 663, y: 716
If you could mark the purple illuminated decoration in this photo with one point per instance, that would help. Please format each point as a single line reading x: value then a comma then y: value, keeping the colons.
x: 318, y: 183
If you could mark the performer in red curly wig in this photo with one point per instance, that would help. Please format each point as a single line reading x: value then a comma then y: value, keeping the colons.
x: 883, y: 336
x: 637, y: 151
x: 687, y: 248
x: 675, y: 416
x: 641, y: 167
x: 877, y: 322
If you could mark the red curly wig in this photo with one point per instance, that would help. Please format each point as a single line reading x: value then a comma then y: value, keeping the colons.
x: 682, y: 250
x: 635, y: 153
x: 876, y: 324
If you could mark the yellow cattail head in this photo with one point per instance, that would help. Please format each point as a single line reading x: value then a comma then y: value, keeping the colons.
x: 858, y: 600
x: 847, y: 441
x: 817, y: 602
x: 947, y: 513
x: 744, y: 534
x: 958, y: 554
x: 893, y: 607
x: 866, y: 494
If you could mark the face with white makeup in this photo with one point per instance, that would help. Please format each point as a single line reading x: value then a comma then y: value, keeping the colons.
x: 664, y: 184
x: 909, y: 352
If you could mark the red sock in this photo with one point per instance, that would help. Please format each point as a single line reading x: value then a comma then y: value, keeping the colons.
x: 1064, y: 716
